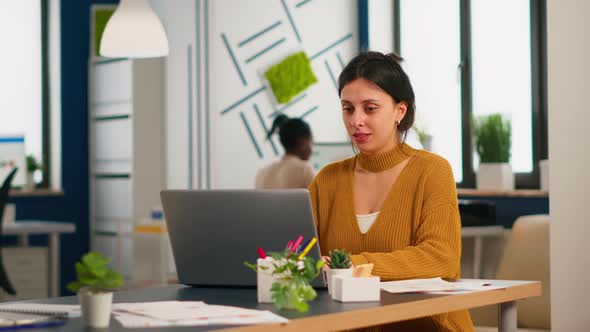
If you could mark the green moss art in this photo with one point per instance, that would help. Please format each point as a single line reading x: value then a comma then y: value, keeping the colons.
x: 290, y: 77
x: 101, y: 17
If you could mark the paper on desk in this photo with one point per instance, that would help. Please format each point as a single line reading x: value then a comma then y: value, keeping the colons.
x: 181, y: 313
x: 163, y: 310
x: 437, y: 285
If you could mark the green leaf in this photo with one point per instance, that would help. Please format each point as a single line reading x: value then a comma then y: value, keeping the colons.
x: 94, y: 260
x: 308, y: 293
x: 73, y: 286
x: 254, y: 267
x: 279, y: 294
x: 319, y: 265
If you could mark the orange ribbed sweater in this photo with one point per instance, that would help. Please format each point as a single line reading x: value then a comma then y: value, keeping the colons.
x: 417, y: 233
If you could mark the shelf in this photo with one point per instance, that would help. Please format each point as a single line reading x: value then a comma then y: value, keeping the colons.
x: 524, y: 193
x: 35, y: 192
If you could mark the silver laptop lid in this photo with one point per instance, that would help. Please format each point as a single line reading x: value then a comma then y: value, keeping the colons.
x: 214, y: 231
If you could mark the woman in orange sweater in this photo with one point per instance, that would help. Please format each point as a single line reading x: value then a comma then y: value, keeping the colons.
x: 390, y: 205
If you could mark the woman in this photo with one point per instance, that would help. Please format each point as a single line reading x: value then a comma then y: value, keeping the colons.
x: 390, y: 205
x: 293, y: 170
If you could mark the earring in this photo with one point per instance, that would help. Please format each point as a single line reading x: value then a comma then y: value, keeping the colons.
x: 397, y: 122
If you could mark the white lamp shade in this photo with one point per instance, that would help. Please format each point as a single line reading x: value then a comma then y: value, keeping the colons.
x: 134, y: 31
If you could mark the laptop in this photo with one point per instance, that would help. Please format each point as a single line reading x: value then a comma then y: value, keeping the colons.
x: 213, y: 232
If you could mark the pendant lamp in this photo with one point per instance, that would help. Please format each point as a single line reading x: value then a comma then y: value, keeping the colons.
x: 134, y: 31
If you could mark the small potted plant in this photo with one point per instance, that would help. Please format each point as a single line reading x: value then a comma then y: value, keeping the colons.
x: 293, y: 275
x: 424, y: 138
x: 32, y: 167
x: 95, y: 285
x: 339, y: 264
x: 492, y: 142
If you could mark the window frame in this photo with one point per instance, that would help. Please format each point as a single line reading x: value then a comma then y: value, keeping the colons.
x: 538, y: 46
x: 45, y: 95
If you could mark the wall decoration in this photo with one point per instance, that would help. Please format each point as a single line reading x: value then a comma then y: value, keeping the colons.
x: 290, y: 77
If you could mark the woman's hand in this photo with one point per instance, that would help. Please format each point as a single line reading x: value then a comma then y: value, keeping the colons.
x: 326, y: 260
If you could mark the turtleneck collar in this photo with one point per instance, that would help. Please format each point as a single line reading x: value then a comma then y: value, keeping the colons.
x: 386, y: 160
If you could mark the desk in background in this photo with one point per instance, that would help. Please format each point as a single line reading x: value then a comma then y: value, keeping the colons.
x: 324, y: 313
x: 478, y: 233
x: 24, y: 228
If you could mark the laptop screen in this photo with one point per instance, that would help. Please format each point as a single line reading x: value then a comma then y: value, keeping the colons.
x: 214, y: 231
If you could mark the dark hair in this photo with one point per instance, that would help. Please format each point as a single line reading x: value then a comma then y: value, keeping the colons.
x: 385, y: 71
x: 290, y: 131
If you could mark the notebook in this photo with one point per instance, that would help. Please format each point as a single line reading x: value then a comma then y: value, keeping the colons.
x: 11, y: 321
x: 55, y: 310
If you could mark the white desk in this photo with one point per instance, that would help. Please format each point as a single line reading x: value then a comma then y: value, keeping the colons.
x: 23, y: 228
x: 478, y: 233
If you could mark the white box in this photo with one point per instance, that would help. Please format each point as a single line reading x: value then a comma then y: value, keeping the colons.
x: 351, y: 289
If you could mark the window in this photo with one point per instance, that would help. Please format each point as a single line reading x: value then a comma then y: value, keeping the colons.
x: 476, y: 57
x: 22, y: 104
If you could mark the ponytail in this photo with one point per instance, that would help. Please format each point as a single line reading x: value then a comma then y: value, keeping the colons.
x: 276, y: 125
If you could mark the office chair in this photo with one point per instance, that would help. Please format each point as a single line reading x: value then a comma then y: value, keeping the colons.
x: 525, y: 257
x: 4, y: 281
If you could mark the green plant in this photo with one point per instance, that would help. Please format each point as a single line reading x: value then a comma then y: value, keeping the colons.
x: 492, y: 138
x: 422, y: 134
x: 339, y: 259
x: 32, y: 164
x: 92, y: 271
x: 292, y: 289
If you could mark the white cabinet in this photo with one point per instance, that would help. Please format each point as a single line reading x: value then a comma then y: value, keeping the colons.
x: 27, y: 270
x: 126, y: 151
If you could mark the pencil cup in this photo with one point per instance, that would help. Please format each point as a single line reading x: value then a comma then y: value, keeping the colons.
x: 351, y: 289
x: 264, y: 279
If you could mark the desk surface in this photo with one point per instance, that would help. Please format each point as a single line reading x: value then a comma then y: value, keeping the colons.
x: 324, y: 313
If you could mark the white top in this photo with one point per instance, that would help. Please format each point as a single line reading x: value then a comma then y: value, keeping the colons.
x: 289, y: 172
x: 366, y: 221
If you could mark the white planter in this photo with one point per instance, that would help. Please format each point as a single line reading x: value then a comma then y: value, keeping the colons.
x: 495, y: 176
x: 95, y: 307
x: 30, y: 182
x: 336, y: 272
x: 544, y: 174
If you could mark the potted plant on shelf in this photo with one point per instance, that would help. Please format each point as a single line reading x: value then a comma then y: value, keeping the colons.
x: 339, y: 264
x: 424, y: 138
x: 32, y: 167
x: 493, y: 142
x: 95, y: 285
x: 292, y: 274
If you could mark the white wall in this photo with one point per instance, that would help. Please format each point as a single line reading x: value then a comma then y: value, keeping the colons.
x: 381, y: 25
x: 568, y: 51
x: 179, y: 21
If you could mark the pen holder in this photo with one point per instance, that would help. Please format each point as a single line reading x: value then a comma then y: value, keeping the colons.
x: 351, y: 289
x: 264, y: 279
